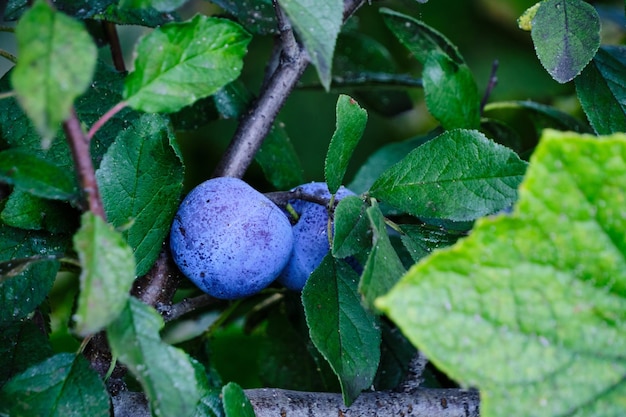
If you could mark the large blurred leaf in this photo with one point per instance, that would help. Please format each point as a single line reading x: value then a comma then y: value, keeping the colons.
x: 22, y: 344
x: 531, y: 305
x: 179, y: 63
x: 318, y: 23
x: 57, y: 59
x: 36, y: 176
x: 24, y: 285
x: 108, y: 272
x: 600, y: 88
x: 343, y: 331
x: 383, y: 267
x: 140, y: 180
x: 166, y: 374
x: 64, y: 385
x: 460, y: 175
x: 566, y: 34
x: 277, y: 156
x: 351, y: 121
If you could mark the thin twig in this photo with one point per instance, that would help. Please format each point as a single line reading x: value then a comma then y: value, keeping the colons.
x: 79, y: 145
x: 493, y: 80
x: 105, y: 118
x: 8, y: 94
x: 185, y: 306
x: 9, y: 29
x: 158, y: 286
x: 114, y: 45
x: 9, y: 56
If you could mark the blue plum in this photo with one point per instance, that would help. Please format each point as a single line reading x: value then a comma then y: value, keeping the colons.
x: 310, y: 236
x: 229, y: 239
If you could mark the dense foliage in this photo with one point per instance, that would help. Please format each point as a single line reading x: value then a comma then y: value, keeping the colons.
x: 493, y: 241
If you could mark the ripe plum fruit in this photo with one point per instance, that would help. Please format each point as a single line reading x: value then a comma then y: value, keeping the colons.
x: 229, y: 239
x: 310, y: 235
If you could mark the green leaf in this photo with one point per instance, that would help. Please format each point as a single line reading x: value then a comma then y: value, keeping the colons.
x: 63, y: 385
x: 566, y: 35
x: 601, y: 90
x: 25, y: 211
x: 419, y: 38
x: 80, y: 9
x: 104, y: 92
x: 317, y: 23
x: 460, y: 175
x: 108, y: 272
x: 140, y: 181
x: 28, y: 270
x: 383, y: 159
x: 361, y: 62
x: 257, y: 16
x: 421, y: 240
x: 166, y: 373
x: 352, y: 228
x: 160, y: 5
x: 179, y: 63
x: 525, y: 21
x: 342, y: 330
x: 287, y: 358
x: 277, y: 156
x: 22, y: 344
x: 451, y: 93
x: 395, y: 355
x: 148, y: 17
x: 210, y: 404
x: 540, y: 115
x: 351, y: 121
x: 36, y: 176
x: 57, y: 59
x: 236, y: 404
x: 530, y: 305
x: 383, y: 268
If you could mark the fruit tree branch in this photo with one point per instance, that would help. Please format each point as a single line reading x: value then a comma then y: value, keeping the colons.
x: 271, y: 402
x: 257, y: 122
x: 423, y: 403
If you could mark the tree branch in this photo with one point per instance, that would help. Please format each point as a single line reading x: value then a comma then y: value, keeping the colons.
x: 271, y: 402
x: 256, y: 124
x: 423, y: 403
